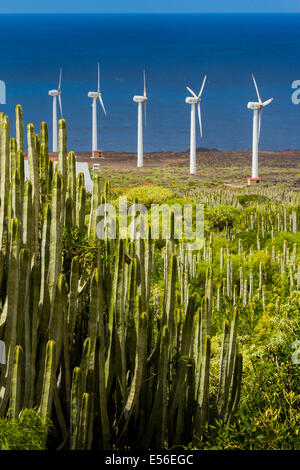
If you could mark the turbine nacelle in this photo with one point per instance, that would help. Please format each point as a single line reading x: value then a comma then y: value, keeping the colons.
x: 54, y: 92
x: 191, y: 100
x: 93, y: 94
x: 139, y: 99
x: 252, y: 105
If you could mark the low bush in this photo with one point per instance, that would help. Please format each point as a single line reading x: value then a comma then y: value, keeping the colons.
x: 221, y: 216
x: 148, y: 195
x: 26, y: 433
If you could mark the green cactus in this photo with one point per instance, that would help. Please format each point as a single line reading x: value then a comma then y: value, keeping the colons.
x: 11, y: 309
x: 4, y: 184
x: 34, y: 178
x: 19, y: 128
x: 80, y: 207
x: 16, y: 385
x: 16, y: 202
x: 62, y: 154
x: 143, y: 354
x: 49, y: 382
x: 84, y: 423
x: 134, y: 391
x: 23, y: 320
x: 12, y: 156
x: 55, y: 235
x: 202, y: 413
x: 75, y: 403
x: 71, y: 184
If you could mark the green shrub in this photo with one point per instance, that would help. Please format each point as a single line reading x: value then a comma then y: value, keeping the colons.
x: 247, y: 200
x: 27, y: 433
x: 220, y: 216
x: 269, y: 409
x: 289, y: 237
x: 148, y: 195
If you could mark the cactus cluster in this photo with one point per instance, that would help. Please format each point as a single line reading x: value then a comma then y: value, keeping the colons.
x: 92, y: 348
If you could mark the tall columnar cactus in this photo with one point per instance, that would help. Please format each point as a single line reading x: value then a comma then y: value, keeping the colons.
x: 139, y: 372
x: 4, y: 184
x: 106, y: 358
x: 58, y: 314
x: 55, y: 235
x: 105, y: 426
x: 116, y: 326
x: 202, y: 413
x: 49, y: 382
x: 44, y: 134
x: 11, y: 312
x: 44, y: 160
x: 34, y: 177
x: 94, y: 205
x: 19, y: 128
x: 24, y: 320
x: 71, y: 184
x: 27, y: 217
x: 20, y: 166
x: 168, y: 316
x: 177, y: 403
x: 74, y: 411
x: 227, y: 366
x: 33, y: 325
x: 16, y: 386
x: 85, y: 418
x: 62, y: 153
x: 158, y: 417
x: 16, y: 202
x: 80, y: 207
x: 12, y: 156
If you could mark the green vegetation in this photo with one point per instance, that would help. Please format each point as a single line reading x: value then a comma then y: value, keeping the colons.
x: 148, y: 195
x: 141, y: 343
x: 26, y: 433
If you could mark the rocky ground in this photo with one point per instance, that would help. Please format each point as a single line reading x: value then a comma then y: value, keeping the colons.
x: 230, y: 167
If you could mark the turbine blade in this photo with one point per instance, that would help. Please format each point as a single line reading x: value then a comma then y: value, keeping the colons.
x: 102, y: 104
x: 259, y: 124
x: 145, y: 111
x: 60, y: 105
x: 203, y: 83
x: 145, y: 95
x: 199, y: 117
x: 265, y: 103
x: 256, y: 88
x: 59, y: 81
x: 192, y: 93
x: 98, y: 78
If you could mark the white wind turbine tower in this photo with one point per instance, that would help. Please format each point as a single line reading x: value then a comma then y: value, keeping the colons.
x: 193, y: 101
x: 55, y: 94
x: 257, y: 107
x: 95, y: 95
x: 140, y: 100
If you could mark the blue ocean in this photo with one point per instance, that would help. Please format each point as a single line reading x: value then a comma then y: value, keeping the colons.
x: 176, y: 51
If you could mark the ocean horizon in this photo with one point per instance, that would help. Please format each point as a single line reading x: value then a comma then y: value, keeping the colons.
x: 176, y: 50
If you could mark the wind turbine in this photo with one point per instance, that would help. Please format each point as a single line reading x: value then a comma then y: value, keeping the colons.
x: 256, y: 107
x: 140, y: 100
x: 193, y: 101
x: 54, y: 94
x: 95, y: 95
